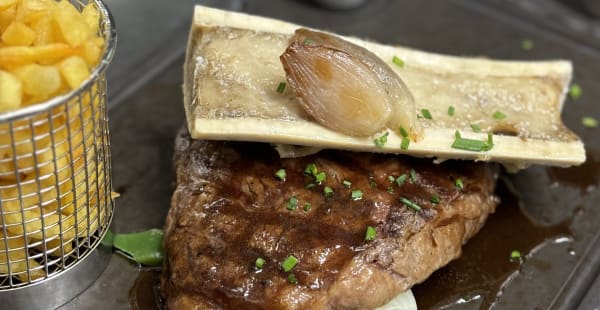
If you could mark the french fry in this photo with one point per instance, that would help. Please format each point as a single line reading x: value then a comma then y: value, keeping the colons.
x: 40, y: 81
x: 5, y: 4
x: 11, y: 56
x: 73, y: 29
x: 74, y: 70
x: 10, y: 91
x: 18, y: 33
x: 53, y: 247
x: 15, y: 255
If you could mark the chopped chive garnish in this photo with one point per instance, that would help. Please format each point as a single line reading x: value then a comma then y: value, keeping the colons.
x: 403, y: 132
x: 413, y: 176
x: 307, y: 41
x: 451, y: 110
x: 410, y: 204
x: 260, y: 262
x: 356, y: 194
x: 311, y: 169
x: 346, y: 183
x: 405, y: 143
x: 426, y: 114
x: 289, y: 263
x: 372, y: 184
x: 307, y: 206
x: 370, y: 234
x: 435, y: 199
x: 391, y: 178
x: 471, y: 144
x: 309, y: 185
x: 589, y: 122
x: 397, y: 61
x: 499, y: 115
x: 320, y: 177
x: 515, y: 255
x: 459, y: 183
x: 281, y: 87
x: 400, y: 180
x: 280, y: 174
x: 328, y: 191
x: 475, y: 128
x: 292, y: 278
x: 390, y: 190
x: 575, y: 91
x: 292, y: 203
x: 381, y: 141
x: 527, y: 44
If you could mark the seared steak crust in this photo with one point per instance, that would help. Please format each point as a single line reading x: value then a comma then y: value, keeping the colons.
x: 228, y: 209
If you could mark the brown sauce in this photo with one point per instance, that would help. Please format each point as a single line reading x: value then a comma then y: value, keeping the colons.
x: 144, y: 294
x: 478, y: 275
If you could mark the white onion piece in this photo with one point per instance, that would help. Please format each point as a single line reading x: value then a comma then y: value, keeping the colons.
x: 347, y: 88
x: 404, y: 301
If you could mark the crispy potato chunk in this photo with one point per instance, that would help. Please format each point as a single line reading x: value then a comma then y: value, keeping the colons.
x: 18, y: 33
x: 10, y: 91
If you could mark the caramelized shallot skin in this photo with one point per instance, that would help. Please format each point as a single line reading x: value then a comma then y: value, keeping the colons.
x: 345, y: 87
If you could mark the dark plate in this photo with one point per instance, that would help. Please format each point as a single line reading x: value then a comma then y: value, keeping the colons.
x: 556, y: 208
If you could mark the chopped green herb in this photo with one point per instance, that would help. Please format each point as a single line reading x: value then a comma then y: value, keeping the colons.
x: 356, y: 194
x: 499, y: 115
x: 281, y: 87
x: 381, y: 141
x: 311, y: 169
x: 451, y: 110
x: 405, y: 143
x: 370, y: 234
x: 372, y: 184
x: 390, y: 190
x: 471, y: 144
x: 328, y: 191
x: 403, y: 132
x: 347, y: 183
x: 307, y: 206
x: 397, y: 61
x: 575, y: 91
x: 391, y: 178
x: 309, y: 185
x: 289, y: 263
x: 260, y: 262
x: 401, y: 179
x: 435, y: 199
x: 515, y: 255
x: 320, y: 177
x: 307, y: 41
x: 527, y: 44
x: 459, y: 183
x: 476, y: 128
x: 280, y: 174
x: 413, y: 176
x: 426, y: 114
x: 457, y: 134
x: 410, y: 204
x: 292, y: 278
x: 292, y: 203
x: 589, y: 122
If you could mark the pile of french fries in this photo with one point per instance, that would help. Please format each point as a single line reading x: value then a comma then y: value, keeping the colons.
x: 52, y: 184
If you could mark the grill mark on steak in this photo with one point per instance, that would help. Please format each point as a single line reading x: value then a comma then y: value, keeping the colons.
x: 228, y: 209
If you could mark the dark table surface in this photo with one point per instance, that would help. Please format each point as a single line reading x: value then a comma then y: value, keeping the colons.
x: 146, y: 111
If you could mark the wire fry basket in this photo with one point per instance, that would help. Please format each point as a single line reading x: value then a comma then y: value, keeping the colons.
x: 55, y: 178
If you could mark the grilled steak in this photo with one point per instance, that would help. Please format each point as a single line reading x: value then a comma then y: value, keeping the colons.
x: 229, y: 209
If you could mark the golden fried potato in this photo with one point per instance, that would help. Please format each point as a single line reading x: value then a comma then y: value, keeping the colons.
x: 72, y: 26
x: 11, y: 56
x: 10, y: 91
x: 17, y: 254
x: 18, y: 33
x: 39, y: 81
x: 74, y: 70
x: 5, y: 4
